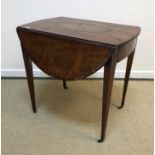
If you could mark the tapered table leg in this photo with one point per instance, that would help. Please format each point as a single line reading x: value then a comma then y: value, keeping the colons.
x: 127, y: 75
x: 29, y: 73
x: 109, y: 71
x: 65, y: 84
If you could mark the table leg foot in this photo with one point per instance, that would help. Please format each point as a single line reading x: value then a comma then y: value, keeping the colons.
x: 120, y: 107
x: 65, y: 84
x: 100, y: 140
x: 34, y: 110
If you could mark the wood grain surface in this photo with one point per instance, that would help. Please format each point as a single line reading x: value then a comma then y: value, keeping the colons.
x: 63, y: 58
x: 94, y: 31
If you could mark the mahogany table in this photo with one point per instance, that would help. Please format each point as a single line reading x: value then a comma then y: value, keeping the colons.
x: 71, y: 49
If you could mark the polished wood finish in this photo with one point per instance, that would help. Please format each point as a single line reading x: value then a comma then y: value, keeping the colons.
x: 29, y: 73
x: 109, y: 71
x: 63, y: 58
x: 71, y: 49
x: 126, y: 49
x: 86, y: 30
x: 127, y: 75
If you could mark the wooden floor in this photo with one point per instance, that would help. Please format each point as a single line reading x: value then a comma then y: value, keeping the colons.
x: 68, y: 121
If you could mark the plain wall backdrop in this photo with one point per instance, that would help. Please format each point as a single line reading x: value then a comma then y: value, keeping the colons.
x: 130, y: 12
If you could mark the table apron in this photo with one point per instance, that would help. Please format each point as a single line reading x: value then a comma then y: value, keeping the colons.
x: 126, y: 49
